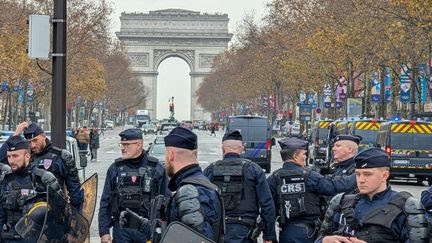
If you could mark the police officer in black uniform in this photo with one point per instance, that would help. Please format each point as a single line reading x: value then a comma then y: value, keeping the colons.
x: 344, y: 149
x: 131, y: 182
x: 298, y: 191
x: 196, y: 202
x: 245, y: 192
x: 377, y: 213
x: 55, y: 160
x: 21, y: 189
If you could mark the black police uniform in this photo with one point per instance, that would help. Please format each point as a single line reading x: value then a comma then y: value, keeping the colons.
x: 19, y: 191
x: 59, y: 162
x: 245, y: 193
x: 389, y: 216
x: 130, y: 183
x: 196, y: 202
x: 298, y: 192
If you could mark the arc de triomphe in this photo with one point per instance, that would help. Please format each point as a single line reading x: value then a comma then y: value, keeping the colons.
x: 152, y: 37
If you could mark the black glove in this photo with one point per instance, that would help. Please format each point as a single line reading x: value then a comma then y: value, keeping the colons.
x: 131, y: 220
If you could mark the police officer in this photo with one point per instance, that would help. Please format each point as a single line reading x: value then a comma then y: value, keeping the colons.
x: 245, y: 192
x: 21, y: 189
x: 426, y: 198
x: 377, y: 213
x: 344, y: 149
x: 297, y: 192
x: 131, y: 182
x: 196, y: 202
x: 55, y: 160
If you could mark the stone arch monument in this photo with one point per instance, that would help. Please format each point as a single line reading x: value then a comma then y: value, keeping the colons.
x: 152, y: 37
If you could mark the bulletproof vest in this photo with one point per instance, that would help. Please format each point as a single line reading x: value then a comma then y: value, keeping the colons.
x: 46, y: 161
x: 375, y: 226
x: 15, y: 202
x: 134, y: 187
x: 294, y: 197
x: 229, y: 176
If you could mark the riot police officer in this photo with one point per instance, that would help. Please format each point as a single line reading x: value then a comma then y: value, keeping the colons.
x: 298, y: 191
x: 344, y: 149
x: 55, y: 160
x: 426, y: 198
x: 245, y: 192
x: 21, y: 189
x: 377, y: 213
x: 131, y: 182
x: 196, y: 202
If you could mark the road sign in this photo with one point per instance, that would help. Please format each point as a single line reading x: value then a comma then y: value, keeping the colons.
x: 318, y: 110
x: 305, y: 112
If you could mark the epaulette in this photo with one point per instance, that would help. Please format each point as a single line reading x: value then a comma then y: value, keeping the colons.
x: 56, y: 150
x: 153, y: 161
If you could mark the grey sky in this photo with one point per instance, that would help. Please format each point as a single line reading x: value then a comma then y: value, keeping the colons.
x: 174, y: 79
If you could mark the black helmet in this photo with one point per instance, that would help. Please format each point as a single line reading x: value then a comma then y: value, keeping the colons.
x: 31, y: 224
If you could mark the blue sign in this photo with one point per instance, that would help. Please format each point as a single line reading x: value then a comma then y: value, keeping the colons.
x: 305, y: 112
x: 387, y: 82
x: 327, y: 105
x: 423, y: 83
x: 376, y: 86
x: 5, y: 86
x: 339, y: 104
x: 405, y: 85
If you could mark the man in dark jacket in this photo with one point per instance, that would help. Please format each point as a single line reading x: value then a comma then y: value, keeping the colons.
x: 94, y: 144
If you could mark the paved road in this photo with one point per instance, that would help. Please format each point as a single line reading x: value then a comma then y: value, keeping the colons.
x: 208, y: 151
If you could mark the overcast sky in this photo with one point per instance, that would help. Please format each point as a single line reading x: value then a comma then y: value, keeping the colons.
x: 174, y: 79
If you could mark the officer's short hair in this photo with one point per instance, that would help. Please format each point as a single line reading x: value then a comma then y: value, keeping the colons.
x: 288, y: 154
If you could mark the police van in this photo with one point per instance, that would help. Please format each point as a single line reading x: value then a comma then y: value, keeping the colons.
x: 318, y: 141
x: 368, y: 130
x: 257, y: 138
x: 408, y: 143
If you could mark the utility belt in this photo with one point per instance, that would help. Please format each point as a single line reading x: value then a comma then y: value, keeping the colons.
x: 241, y: 220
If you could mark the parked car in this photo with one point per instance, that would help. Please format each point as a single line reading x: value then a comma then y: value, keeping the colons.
x: 157, y: 149
x: 149, y: 128
x: 109, y: 124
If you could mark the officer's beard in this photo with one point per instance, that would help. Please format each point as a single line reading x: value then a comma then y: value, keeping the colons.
x: 21, y: 168
x: 169, y: 169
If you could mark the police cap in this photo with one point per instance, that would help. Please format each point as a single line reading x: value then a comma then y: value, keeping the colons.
x: 372, y: 158
x: 181, y: 137
x: 353, y: 138
x: 233, y: 135
x: 293, y: 143
x: 33, y: 130
x: 131, y: 134
x: 16, y: 143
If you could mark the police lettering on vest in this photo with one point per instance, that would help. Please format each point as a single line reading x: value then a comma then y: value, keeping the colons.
x: 295, y: 200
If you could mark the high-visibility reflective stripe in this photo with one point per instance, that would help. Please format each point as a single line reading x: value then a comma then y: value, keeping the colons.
x: 367, y: 125
x: 412, y: 128
x: 324, y: 124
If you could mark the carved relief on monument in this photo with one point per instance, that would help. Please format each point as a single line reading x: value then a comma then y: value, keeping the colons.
x: 206, y: 60
x: 158, y: 53
x: 139, y: 59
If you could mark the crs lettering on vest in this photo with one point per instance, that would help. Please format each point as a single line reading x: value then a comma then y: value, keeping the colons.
x: 292, y: 188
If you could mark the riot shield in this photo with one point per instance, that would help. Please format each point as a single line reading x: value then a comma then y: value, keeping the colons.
x: 90, y: 196
x: 63, y: 223
x: 179, y: 232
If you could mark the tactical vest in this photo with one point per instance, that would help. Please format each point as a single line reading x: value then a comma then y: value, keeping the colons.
x: 229, y: 176
x: 218, y: 227
x: 376, y: 224
x: 14, y: 201
x: 46, y: 162
x: 294, y: 197
x: 135, y: 187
